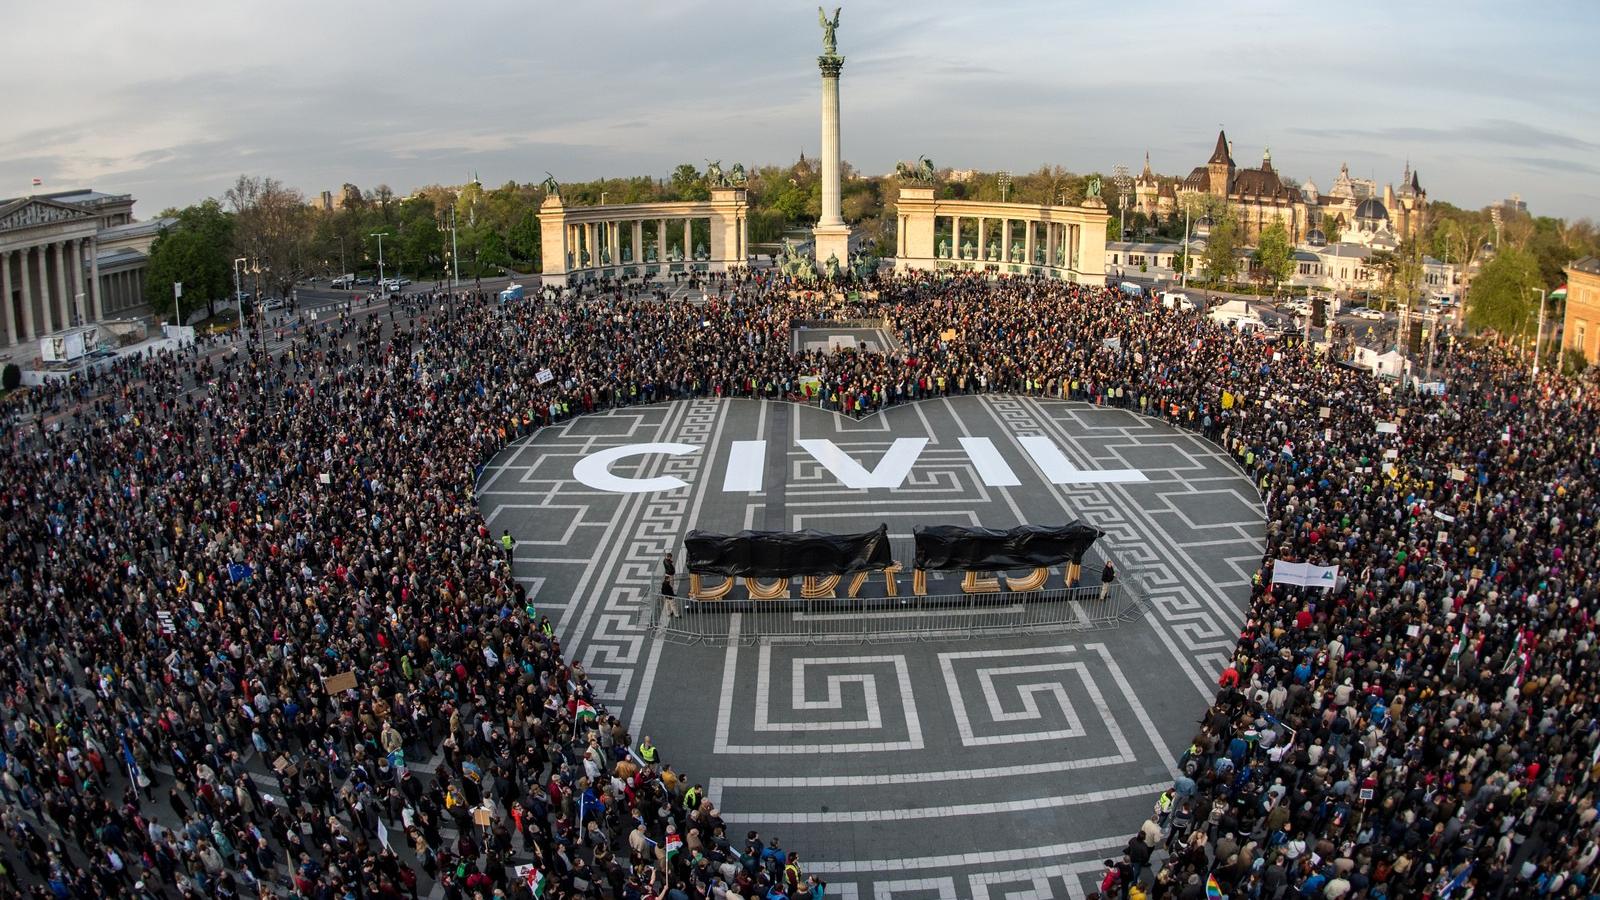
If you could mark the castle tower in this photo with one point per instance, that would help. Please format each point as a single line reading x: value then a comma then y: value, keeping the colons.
x: 1220, y: 167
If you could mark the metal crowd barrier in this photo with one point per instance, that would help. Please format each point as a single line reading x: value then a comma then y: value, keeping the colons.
x: 889, y: 619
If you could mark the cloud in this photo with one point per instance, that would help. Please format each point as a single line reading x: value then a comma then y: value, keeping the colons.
x: 1501, y: 132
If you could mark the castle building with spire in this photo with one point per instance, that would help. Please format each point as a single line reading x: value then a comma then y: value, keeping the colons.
x: 1352, y: 210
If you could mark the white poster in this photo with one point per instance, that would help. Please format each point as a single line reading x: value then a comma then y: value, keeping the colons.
x: 545, y: 376
x: 1304, y: 574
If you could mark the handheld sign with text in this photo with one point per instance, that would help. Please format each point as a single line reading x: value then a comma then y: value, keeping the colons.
x: 344, y: 681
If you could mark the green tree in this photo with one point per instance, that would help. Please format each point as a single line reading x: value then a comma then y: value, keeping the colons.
x: 195, y: 250
x: 523, y: 238
x: 1220, y: 246
x: 689, y: 184
x: 1502, y: 297
x: 1274, y: 256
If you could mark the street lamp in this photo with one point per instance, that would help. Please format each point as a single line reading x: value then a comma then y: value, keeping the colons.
x: 379, y: 236
x: 602, y: 198
x: 455, y: 263
x: 238, y: 292
x: 1005, y: 184
x: 1120, y: 177
x: 1538, y: 331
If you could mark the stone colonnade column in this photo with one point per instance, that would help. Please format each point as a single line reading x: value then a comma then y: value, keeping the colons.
x: 661, y: 241
x: 1027, y: 247
x: 27, y: 294
x: 688, y: 240
x: 1005, y: 239
x: 94, y: 280
x: 638, y: 242
x: 13, y: 321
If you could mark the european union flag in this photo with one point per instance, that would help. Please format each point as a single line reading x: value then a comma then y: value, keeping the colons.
x: 238, y: 572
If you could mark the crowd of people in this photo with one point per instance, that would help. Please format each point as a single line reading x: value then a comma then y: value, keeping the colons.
x: 260, y: 640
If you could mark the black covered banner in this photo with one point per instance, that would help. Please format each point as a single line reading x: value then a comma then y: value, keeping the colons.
x: 784, y: 554
x: 992, y: 550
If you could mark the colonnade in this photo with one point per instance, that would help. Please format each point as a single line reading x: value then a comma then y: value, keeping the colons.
x: 40, y: 287
x: 622, y: 242
x: 1064, y: 242
x: 1028, y: 242
x: 609, y: 241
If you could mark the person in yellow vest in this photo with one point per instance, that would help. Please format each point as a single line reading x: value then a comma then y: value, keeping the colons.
x: 647, y: 751
x: 691, y: 797
x: 507, y: 541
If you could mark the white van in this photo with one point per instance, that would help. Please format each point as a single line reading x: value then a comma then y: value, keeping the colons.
x: 343, y: 282
x: 1176, y: 300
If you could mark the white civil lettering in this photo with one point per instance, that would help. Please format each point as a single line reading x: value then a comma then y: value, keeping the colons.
x: 746, y: 460
x: 595, y: 470
x: 988, y: 462
x: 1060, y: 470
x: 890, y: 472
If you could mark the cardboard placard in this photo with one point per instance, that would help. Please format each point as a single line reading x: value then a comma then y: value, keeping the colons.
x: 1324, y: 411
x: 344, y: 681
x: 483, y: 816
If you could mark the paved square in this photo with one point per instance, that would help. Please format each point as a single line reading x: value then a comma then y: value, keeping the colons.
x: 971, y: 768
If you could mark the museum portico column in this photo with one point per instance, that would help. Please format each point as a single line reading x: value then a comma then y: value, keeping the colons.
x: 27, y: 294
x: 13, y: 322
x: 688, y: 238
x: 638, y: 242
x: 661, y: 242
x: 94, y: 279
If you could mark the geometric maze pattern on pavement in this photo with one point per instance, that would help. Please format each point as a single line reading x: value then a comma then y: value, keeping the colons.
x: 957, y: 768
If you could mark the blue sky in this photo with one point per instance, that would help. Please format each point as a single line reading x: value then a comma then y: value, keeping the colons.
x: 171, y: 100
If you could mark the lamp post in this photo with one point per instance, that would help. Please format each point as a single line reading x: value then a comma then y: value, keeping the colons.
x: 1184, y: 282
x: 1120, y: 177
x: 1538, y: 331
x: 455, y: 262
x: 238, y: 292
x: 1005, y: 184
x: 379, y: 236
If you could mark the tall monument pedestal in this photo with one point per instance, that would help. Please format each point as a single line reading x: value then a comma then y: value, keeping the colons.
x: 834, y: 241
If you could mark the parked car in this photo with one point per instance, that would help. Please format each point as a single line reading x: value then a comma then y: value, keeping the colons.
x: 343, y: 282
x: 366, y: 279
x: 1366, y: 312
x: 272, y: 303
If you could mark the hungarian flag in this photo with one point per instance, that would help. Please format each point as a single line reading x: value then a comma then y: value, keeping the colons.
x: 1213, y: 889
x: 1559, y: 293
x: 536, y: 881
x: 585, y: 711
x: 674, y: 844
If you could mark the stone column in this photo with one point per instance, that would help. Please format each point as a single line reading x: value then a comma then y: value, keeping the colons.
x: 830, y: 66
x: 13, y: 322
x: 94, y: 280
x: 638, y: 242
x: 661, y: 242
x: 47, y: 304
x: 63, y: 299
x: 688, y: 242
x: 1028, y: 245
x: 75, y: 281
x: 1005, y: 239
x: 955, y: 237
x: 831, y: 234
x: 27, y: 295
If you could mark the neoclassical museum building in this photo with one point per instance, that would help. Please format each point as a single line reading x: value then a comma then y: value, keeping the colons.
x: 70, y: 258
